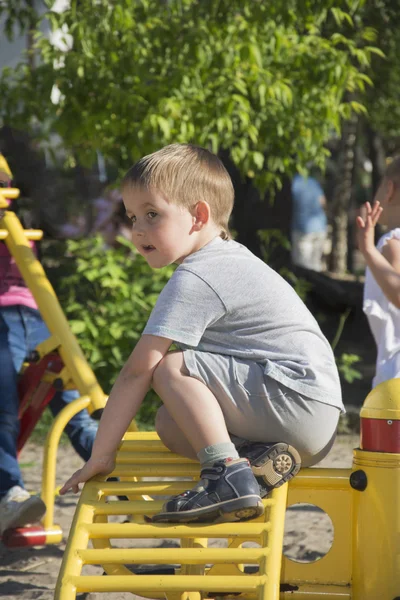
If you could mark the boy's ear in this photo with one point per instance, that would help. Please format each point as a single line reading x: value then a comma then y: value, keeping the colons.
x: 201, y: 215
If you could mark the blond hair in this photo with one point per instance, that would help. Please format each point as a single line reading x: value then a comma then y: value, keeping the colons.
x: 187, y: 174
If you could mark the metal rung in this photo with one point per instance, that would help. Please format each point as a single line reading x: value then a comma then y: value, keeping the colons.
x: 144, y: 487
x: 142, y: 436
x: 135, y: 507
x: 322, y: 479
x: 131, y: 445
x: 161, y: 458
x: 30, y: 234
x: 166, y: 583
x: 154, y: 470
x: 161, y: 530
x: 192, y: 556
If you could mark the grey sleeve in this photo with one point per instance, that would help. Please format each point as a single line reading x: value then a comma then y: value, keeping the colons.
x: 185, y: 308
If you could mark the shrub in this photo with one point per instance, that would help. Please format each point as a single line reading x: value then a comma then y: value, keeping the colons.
x: 108, y: 298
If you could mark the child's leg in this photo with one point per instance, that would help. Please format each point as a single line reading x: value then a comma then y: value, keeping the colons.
x: 189, y: 402
x: 172, y: 436
x: 279, y: 429
x: 10, y: 474
x: 17, y: 507
x: 228, y: 490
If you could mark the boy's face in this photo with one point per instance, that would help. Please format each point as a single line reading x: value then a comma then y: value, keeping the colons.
x: 162, y: 232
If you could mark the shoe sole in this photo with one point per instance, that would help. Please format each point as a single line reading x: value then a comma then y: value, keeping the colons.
x: 277, y: 465
x: 239, y: 509
x: 32, y: 511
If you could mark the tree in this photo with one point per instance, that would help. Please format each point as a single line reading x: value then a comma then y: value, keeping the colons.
x: 265, y: 80
x: 379, y: 19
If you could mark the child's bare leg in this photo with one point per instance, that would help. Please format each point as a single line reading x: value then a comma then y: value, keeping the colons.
x: 190, y: 403
x: 227, y: 490
x: 172, y: 436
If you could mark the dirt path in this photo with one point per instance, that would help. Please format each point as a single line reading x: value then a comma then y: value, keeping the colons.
x: 31, y: 574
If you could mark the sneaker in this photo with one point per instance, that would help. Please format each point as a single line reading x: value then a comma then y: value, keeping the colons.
x: 19, y: 508
x: 227, y: 491
x: 272, y: 464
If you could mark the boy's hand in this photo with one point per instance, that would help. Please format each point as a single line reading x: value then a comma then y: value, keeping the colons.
x: 100, y: 466
x: 366, y: 226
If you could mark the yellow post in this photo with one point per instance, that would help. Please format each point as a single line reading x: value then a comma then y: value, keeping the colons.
x: 376, y: 497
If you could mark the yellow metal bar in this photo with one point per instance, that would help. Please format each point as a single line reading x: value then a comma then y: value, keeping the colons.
x: 50, y: 455
x: 144, y: 436
x: 273, y: 545
x: 154, y: 458
x: 54, y: 535
x: 104, y: 544
x: 140, y: 445
x: 52, y: 343
x: 326, y: 479
x: 153, y: 470
x: 165, y: 583
x: 162, y: 530
x: 143, y: 487
x: 193, y: 556
x: 137, y: 507
x: 30, y: 234
x: 72, y: 564
x: 50, y: 309
x: 7, y: 194
x: 188, y: 567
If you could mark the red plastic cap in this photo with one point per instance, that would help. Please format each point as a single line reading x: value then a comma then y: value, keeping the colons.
x: 24, y: 536
x: 380, y: 435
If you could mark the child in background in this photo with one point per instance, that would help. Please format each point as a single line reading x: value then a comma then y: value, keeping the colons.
x: 253, y: 390
x: 382, y: 280
x: 21, y: 330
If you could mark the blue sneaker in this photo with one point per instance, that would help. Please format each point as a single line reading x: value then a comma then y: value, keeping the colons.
x: 226, y: 492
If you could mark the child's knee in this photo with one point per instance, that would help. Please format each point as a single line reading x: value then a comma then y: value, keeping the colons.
x: 170, y: 366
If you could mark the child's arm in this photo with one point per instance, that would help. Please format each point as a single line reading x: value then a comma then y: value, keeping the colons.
x: 125, y: 399
x: 384, y: 267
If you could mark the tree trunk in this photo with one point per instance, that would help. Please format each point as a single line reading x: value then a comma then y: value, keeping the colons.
x: 30, y: 36
x: 342, y: 196
x: 377, y: 157
x: 254, y: 212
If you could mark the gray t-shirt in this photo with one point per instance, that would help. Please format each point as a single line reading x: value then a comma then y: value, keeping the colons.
x: 225, y: 300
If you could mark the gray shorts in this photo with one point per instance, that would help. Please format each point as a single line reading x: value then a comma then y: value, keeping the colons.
x: 258, y: 408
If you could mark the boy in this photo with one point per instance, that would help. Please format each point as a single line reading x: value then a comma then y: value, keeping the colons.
x: 254, y: 378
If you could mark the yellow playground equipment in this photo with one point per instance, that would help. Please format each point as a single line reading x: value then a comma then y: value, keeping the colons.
x: 363, y: 504
x: 73, y: 372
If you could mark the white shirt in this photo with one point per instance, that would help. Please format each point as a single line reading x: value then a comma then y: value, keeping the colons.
x: 384, y: 321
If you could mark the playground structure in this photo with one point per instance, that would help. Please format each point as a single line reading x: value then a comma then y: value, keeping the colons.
x: 363, y: 502
x: 58, y: 363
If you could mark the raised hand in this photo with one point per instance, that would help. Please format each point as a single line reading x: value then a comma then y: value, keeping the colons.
x: 94, y: 466
x: 366, y: 221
